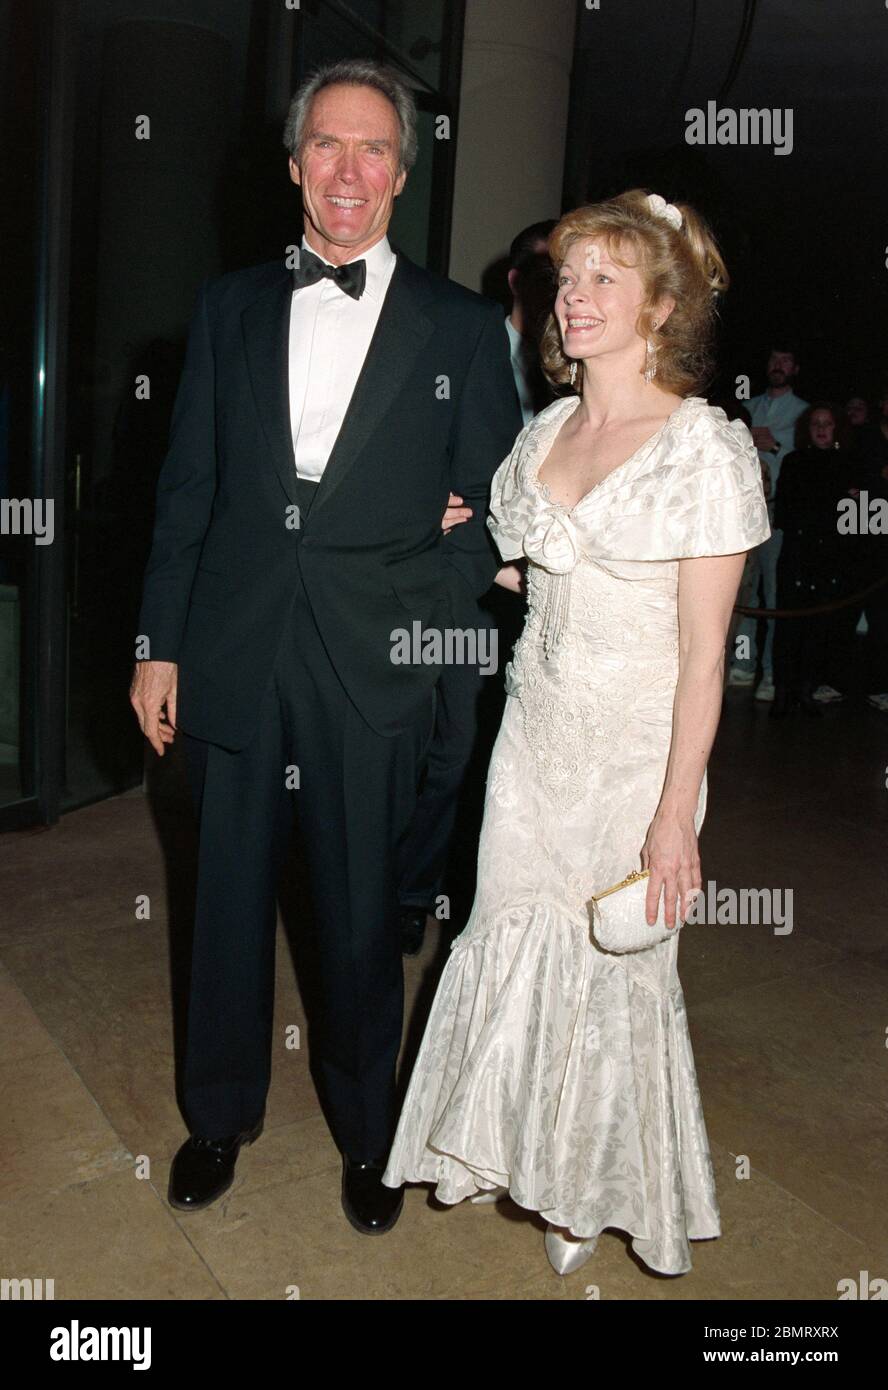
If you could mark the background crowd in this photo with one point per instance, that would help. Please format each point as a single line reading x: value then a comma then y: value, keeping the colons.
x: 818, y: 632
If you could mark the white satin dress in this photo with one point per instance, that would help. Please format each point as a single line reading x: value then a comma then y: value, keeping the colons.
x: 549, y: 1066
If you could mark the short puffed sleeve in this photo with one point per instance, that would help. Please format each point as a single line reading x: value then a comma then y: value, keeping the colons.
x: 510, y: 504
x: 699, y: 493
x: 716, y: 500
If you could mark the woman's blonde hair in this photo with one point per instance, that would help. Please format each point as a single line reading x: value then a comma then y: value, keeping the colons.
x: 680, y: 263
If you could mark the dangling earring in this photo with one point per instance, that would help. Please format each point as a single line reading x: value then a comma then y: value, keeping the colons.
x: 573, y: 373
x: 650, y: 356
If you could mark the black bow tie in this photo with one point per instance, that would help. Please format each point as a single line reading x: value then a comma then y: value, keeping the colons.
x: 350, y: 278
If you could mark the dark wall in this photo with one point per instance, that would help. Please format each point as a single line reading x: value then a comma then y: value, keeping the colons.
x: 804, y: 234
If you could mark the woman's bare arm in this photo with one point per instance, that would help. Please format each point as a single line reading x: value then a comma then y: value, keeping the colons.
x: 707, y: 589
x: 512, y: 577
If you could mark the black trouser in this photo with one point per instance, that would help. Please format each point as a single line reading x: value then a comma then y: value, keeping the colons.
x: 876, y: 609
x: 874, y: 676
x: 802, y: 643
x: 356, y: 793
x: 467, y: 719
x: 426, y: 849
x: 799, y: 650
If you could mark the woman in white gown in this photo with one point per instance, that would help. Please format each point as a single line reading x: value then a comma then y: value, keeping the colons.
x: 550, y: 1069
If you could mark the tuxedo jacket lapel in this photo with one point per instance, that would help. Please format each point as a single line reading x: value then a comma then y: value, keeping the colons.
x: 266, y: 329
x: 401, y: 331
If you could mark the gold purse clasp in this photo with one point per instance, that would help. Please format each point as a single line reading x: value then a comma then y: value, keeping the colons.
x: 624, y: 883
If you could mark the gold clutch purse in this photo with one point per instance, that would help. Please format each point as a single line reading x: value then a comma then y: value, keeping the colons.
x: 617, y: 916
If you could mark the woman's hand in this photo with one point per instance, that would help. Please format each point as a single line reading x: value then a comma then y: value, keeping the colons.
x: 454, y: 514
x: 512, y: 577
x: 671, y: 853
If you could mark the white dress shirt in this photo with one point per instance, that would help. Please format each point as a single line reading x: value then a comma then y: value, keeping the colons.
x: 518, y: 352
x: 329, y: 336
x: 779, y: 413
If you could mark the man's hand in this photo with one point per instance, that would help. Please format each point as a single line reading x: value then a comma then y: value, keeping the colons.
x: 766, y: 478
x: 454, y: 514
x: 153, y: 687
x: 763, y: 438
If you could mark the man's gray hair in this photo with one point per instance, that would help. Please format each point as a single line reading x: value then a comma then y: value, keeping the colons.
x: 355, y: 72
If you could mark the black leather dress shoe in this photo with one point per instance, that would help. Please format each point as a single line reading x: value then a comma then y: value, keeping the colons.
x: 413, y: 924
x: 371, y: 1207
x: 204, y: 1168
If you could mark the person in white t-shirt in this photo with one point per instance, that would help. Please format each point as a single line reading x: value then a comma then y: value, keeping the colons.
x: 773, y: 417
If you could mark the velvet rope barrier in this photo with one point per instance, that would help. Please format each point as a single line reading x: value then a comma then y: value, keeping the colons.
x: 815, y: 609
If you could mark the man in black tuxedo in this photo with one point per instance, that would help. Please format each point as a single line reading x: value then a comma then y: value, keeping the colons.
x: 325, y: 413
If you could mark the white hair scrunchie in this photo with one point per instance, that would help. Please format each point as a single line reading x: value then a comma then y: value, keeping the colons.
x: 660, y: 208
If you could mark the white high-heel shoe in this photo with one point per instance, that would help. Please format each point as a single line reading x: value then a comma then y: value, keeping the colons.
x: 567, y: 1253
x: 483, y: 1199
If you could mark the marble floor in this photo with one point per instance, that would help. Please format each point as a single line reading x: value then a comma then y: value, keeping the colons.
x: 789, y: 1034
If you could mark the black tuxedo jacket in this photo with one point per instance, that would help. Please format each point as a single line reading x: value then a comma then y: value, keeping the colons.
x: 435, y: 409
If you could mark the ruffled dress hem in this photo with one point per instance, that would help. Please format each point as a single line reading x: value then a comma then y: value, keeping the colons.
x: 640, y: 1244
x: 553, y: 1070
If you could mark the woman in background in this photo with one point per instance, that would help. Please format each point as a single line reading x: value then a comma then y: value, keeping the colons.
x: 814, y: 567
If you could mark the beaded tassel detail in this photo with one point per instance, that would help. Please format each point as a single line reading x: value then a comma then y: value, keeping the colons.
x: 555, y: 612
